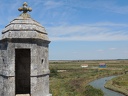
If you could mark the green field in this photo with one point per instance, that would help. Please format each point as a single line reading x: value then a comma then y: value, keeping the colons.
x: 67, y: 78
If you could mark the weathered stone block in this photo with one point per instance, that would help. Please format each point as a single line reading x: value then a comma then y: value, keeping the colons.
x: 34, y: 67
x: 1, y: 85
x: 9, y: 86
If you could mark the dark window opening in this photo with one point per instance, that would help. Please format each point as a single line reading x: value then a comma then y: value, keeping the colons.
x: 42, y: 61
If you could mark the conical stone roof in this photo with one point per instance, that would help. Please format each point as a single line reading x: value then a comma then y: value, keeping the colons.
x: 24, y: 27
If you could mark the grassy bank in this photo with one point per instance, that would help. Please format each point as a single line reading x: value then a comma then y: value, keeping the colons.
x: 69, y: 79
x: 119, y: 84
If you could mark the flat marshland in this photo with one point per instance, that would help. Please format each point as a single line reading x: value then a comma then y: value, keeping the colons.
x: 68, y: 78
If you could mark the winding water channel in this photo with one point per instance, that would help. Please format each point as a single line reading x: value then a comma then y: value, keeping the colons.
x: 100, y: 85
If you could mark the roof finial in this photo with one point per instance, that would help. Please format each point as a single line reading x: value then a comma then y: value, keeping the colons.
x: 25, y: 8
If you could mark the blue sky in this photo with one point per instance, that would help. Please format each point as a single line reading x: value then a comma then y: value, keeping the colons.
x: 78, y: 29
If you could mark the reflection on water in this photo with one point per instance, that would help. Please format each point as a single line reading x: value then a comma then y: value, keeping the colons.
x: 100, y: 84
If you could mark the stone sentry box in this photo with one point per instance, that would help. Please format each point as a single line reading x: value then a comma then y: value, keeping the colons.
x: 24, y: 65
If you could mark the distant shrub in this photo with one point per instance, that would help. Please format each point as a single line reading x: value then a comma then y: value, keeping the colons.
x: 53, y: 72
x: 91, y: 91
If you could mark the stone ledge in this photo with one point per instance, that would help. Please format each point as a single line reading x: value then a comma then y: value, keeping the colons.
x: 49, y: 95
x: 22, y: 94
x: 29, y: 95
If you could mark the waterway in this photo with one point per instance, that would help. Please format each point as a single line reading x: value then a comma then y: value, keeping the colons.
x: 100, y: 85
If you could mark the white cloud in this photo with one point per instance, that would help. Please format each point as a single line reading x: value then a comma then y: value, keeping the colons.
x: 8, y: 10
x: 89, y: 32
x: 105, y: 5
x: 117, y: 9
x: 100, y: 50
x: 112, y: 48
x: 52, y: 4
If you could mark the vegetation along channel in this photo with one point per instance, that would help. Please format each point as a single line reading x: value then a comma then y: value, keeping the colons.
x: 100, y: 85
